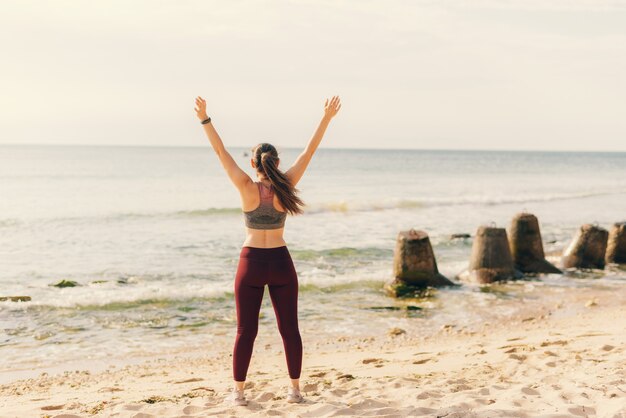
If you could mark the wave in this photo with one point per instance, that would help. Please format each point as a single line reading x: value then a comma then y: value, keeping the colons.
x: 368, y: 253
x: 344, y: 206
x: 523, y: 199
x: 108, y: 296
x: 341, y: 206
x: 9, y: 222
x: 209, y: 212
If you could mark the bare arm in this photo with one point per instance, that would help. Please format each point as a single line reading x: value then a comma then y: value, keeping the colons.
x: 239, y: 177
x: 298, y: 168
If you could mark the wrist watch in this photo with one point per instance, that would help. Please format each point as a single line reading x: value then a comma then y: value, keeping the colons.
x: 207, y: 120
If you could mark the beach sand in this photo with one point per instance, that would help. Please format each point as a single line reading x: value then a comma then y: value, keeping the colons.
x: 563, y: 360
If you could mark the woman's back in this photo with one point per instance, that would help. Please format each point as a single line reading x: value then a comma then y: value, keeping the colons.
x: 265, y: 215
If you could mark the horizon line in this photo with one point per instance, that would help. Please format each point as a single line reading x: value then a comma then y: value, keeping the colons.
x: 319, y: 148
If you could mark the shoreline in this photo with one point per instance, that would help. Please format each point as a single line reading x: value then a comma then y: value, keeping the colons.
x: 549, y: 360
x: 525, y: 298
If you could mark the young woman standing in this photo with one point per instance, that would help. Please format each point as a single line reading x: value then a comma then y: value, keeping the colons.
x: 264, y: 258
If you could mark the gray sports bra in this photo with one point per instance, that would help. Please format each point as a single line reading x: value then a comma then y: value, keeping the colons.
x: 265, y: 216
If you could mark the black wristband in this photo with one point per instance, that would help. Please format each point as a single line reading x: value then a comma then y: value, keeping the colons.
x: 207, y: 120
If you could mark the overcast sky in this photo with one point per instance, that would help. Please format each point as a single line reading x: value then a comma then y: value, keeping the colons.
x: 476, y: 74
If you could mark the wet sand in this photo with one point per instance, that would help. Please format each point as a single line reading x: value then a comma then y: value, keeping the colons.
x: 563, y: 360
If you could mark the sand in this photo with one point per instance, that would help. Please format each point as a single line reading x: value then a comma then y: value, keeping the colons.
x: 566, y: 360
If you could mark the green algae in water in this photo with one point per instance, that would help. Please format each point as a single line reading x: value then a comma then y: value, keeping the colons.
x: 73, y: 330
x: 384, y: 308
x: 342, y: 252
x: 194, y: 325
x: 395, y: 308
x: 498, y: 290
x: 118, y: 306
x: 65, y: 283
x: 15, y: 298
x: 155, y: 399
x: 159, y: 303
x: 372, y: 285
x: 401, y: 290
x: 594, y: 274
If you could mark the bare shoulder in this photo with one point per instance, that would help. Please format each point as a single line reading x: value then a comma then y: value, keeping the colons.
x: 249, y: 196
x: 249, y: 187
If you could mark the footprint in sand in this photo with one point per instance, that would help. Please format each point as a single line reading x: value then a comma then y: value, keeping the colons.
x: 582, y: 411
x: 530, y: 391
x: 429, y: 394
x: 110, y: 389
x: 52, y: 407
x: 266, y: 396
x: 318, y: 374
x: 193, y: 379
x: 485, y: 401
x: 339, y: 392
x: 193, y: 409
x: 556, y: 342
x: 309, y: 387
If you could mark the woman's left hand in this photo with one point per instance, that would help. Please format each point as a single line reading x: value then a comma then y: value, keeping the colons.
x: 331, y: 109
x: 200, y: 108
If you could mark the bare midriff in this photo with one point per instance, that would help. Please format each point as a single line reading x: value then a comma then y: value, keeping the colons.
x: 264, y: 238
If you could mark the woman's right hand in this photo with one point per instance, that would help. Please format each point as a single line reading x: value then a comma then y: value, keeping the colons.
x: 200, y: 108
x: 331, y: 109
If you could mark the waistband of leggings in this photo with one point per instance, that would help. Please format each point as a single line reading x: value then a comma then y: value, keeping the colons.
x: 257, y: 253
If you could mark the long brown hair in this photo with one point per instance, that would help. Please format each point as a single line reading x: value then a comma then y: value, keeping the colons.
x: 265, y: 158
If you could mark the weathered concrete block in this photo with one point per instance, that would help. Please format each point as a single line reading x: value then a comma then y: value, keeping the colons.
x: 526, y: 245
x: 414, y: 264
x: 588, y: 248
x: 491, y: 257
x: 616, y: 245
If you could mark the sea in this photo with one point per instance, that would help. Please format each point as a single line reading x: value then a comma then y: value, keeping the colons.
x: 151, y: 238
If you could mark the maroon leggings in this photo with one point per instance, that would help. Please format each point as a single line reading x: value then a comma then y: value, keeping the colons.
x: 258, y: 267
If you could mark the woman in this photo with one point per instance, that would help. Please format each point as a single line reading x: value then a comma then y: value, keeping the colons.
x: 264, y: 257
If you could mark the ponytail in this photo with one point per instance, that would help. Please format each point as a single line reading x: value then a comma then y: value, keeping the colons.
x: 265, y: 159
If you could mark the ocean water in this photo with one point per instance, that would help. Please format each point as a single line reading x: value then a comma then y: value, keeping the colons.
x: 152, y: 236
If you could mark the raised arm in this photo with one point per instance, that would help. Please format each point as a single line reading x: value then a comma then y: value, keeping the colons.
x: 239, y: 177
x: 298, y: 168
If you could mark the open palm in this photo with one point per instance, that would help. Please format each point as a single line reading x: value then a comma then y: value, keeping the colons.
x: 200, y: 108
x: 331, y: 109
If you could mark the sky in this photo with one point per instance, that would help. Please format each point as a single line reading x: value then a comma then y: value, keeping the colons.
x: 476, y: 74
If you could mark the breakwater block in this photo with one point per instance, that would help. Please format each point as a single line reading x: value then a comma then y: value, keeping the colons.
x: 526, y: 245
x: 414, y: 264
x: 491, y: 257
x: 616, y: 245
x: 587, y: 249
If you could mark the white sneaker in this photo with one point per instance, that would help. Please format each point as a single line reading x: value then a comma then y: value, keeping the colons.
x: 237, y: 397
x: 294, y: 396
